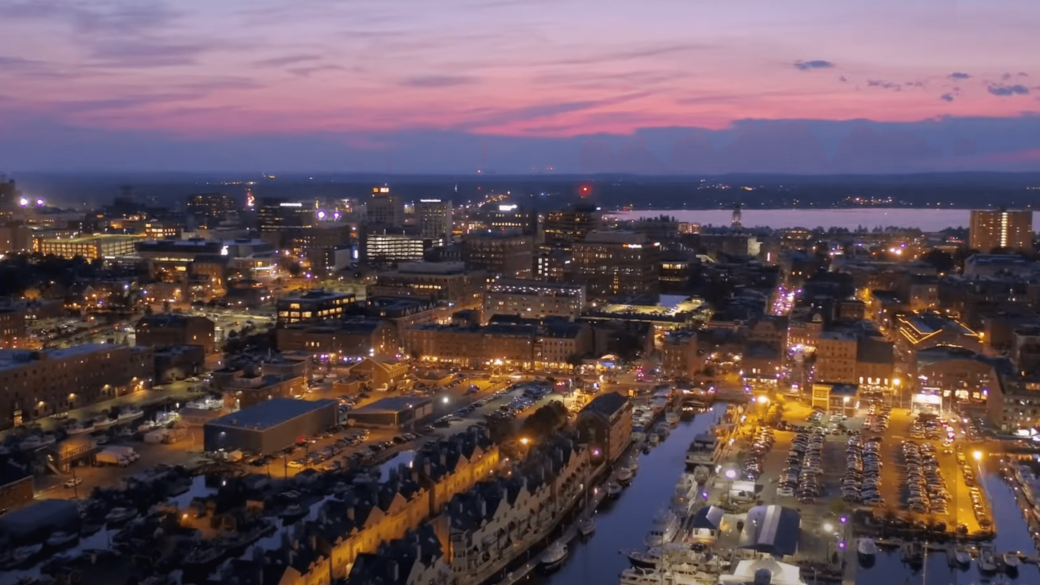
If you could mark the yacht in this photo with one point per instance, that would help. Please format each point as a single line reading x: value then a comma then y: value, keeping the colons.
x: 660, y: 557
x: 586, y: 526
x: 614, y: 490
x: 640, y: 576
x: 553, y: 556
x: 685, y: 495
x: 987, y: 560
x: 663, y: 530
x: 130, y: 413
x: 624, y: 475
x: 866, y: 548
x: 962, y: 556
x: 103, y: 422
x: 60, y: 539
x: 78, y: 428
x: 118, y: 515
x: 1012, y: 560
x: 35, y: 442
x: 702, y: 451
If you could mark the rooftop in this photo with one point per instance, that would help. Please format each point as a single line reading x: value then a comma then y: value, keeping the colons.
x: 271, y: 413
x: 392, y: 404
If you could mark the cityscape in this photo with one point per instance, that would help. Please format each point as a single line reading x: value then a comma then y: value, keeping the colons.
x: 498, y: 292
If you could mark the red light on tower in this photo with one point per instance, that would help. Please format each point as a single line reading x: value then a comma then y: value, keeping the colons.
x: 585, y: 190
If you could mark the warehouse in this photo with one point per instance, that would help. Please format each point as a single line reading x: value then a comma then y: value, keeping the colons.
x: 393, y: 412
x: 269, y: 426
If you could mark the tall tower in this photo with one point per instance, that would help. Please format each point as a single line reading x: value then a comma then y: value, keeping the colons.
x: 736, y: 224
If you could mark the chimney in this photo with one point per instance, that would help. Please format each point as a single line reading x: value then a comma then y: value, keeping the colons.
x: 350, y: 513
x: 444, y: 458
x: 395, y: 571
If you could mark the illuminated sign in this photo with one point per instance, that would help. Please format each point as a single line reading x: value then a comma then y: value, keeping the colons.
x: 506, y: 207
x: 290, y: 204
x: 429, y: 201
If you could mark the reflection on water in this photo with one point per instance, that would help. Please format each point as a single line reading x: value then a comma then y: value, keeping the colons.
x: 890, y: 570
x: 621, y: 525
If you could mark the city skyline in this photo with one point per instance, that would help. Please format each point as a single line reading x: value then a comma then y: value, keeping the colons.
x: 518, y: 87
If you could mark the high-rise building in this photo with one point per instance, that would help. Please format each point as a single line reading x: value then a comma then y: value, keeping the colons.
x: 566, y: 226
x: 278, y: 218
x: 1012, y: 229
x: 433, y: 218
x: 384, y: 209
x: 500, y: 253
x: 95, y: 247
x: 209, y: 208
x: 383, y: 245
x: 512, y: 216
x: 616, y: 264
x: 8, y: 194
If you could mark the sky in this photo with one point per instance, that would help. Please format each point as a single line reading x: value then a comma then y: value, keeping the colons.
x: 509, y: 85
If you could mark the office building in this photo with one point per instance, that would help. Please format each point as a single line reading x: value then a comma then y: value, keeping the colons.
x: 433, y: 218
x: 279, y: 219
x: 384, y: 209
x: 500, y: 253
x: 566, y: 226
x: 209, y: 209
x: 9, y: 194
x: 95, y: 247
x: 532, y: 299
x: 169, y: 260
x: 348, y: 339
x: 512, y: 217
x: 168, y: 329
x: 37, y: 384
x: 312, y: 305
x: 1001, y: 229
x: 440, y: 281
x: 616, y: 263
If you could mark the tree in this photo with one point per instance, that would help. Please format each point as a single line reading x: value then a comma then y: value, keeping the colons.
x: 943, y: 262
x: 295, y: 269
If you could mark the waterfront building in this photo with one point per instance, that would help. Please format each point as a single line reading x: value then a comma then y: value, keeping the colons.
x: 37, y: 384
x: 605, y: 424
x: 1002, y: 228
x: 679, y: 354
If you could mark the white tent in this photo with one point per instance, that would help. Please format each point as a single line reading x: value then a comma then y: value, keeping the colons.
x: 748, y: 570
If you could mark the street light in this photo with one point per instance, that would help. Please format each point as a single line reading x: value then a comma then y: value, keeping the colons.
x: 524, y: 441
x: 977, y: 455
x: 730, y: 474
x: 828, y: 527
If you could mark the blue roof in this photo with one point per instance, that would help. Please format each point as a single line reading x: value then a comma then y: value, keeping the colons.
x: 271, y: 413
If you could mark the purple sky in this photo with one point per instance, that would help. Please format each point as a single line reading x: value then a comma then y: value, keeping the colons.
x: 357, y: 84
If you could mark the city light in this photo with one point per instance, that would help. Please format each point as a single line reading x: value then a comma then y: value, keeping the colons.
x: 976, y: 455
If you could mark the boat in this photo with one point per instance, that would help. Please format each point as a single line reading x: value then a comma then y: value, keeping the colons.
x: 660, y: 557
x: 987, y: 560
x: 24, y: 553
x: 663, y: 530
x: 130, y: 413
x: 103, y: 422
x: 633, y: 464
x: 652, y: 441
x: 685, y: 495
x: 36, y: 441
x: 78, y: 428
x: 60, y: 539
x: 962, y: 557
x: 553, y: 556
x: 671, y: 418
x: 613, y: 489
x: 866, y: 548
x: 119, y: 515
x: 586, y: 526
x: 624, y: 475
x: 701, y: 451
x: 641, y: 576
x: 1012, y: 560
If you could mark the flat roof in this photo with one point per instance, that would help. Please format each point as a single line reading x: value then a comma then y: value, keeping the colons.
x: 392, y: 404
x: 270, y: 413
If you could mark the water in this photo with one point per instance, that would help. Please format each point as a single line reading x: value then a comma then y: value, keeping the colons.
x: 621, y: 525
x: 928, y: 220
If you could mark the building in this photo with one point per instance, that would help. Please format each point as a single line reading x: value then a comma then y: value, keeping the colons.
x: 433, y: 218
x: 532, y: 299
x: 836, y: 357
x: 12, y: 325
x: 875, y: 364
x: 311, y: 306
x: 616, y: 264
x: 512, y: 217
x: 37, y: 384
x: 94, y: 247
x: 962, y: 377
x: 403, y: 312
x: 170, y: 260
x: 209, y: 209
x: 761, y: 364
x: 381, y: 371
x: 679, y: 354
x: 836, y: 398
x: 396, y: 412
x: 381, y: 245
x: 440, y: 281
x: 504, y: 254
x: 384, y: 209
x: 1002, y: 228
x: 919, y: 331
x: 343, y: 340
x: 550, y: 344
x: 178, y: 362
x: 606, y: 424
x: 563, y: 227
x: 278, y: 219
x: 269, y: 426
x: 415, y: 559
x: 168, y: 329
